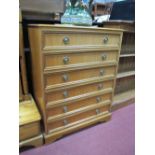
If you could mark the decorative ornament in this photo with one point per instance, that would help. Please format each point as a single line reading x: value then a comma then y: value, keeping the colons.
x: 77, y: 12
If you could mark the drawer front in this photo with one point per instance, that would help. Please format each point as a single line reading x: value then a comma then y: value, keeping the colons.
x: 79, y: 104
x: 70, y: 59
x: 29, y: 130
x: 63, y: 94
x: 70, y: 76
x: 77, y: 118
x: 60, y: 40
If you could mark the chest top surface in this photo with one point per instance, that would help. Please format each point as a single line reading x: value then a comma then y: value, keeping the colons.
x: 75, y: 28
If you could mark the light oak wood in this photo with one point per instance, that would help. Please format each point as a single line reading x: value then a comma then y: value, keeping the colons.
x: 79, y: 90
x: 63, y: 68
x: 54, y: 39
x: 75, y: 127
x: 78, y: 98
x: 32, y: 142
x: 28, y: 112
x: 67, y: 107
x: 37, y: 76
x: 80, y: 53
x: 29, y: 120
x: 29, y: 130
x: 79, y: 58
x: 73, y: 84
x: 74, y: 119
x: 70, y: 76
x: 78, y: 111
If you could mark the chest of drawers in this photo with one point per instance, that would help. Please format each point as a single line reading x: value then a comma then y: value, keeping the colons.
x: 74, y: 71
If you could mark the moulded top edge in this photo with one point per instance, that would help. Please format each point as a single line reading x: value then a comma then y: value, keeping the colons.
x: 74, y: 27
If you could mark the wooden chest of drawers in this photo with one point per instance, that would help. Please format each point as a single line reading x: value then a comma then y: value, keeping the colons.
x: 74, y: 71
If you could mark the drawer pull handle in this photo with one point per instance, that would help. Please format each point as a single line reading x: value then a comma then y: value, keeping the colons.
x: 102, y: 72
x: 65, y: 93
x: 65, y: 77
x: 66, y: 59
x: 105, y: 39
x: 104, y: 56
x: 100, y: 86
x: 98, y: 99
x: 65, y: 109
x: 66, y: 40
x: 97, y: 111
x: 65, y: 122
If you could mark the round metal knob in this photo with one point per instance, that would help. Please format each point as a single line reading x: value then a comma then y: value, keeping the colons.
x: 100, y: 86
x: 98, y: 99
x: 65, y: 109
x: 104, y: 56
x: 65, y: 94
x: 102, y: 72
x: 105, y: 39
x: 65, y: 77
x: 66, y: 59
x: 65, y: 122
x: 97, y: 111
x: 66, y: 40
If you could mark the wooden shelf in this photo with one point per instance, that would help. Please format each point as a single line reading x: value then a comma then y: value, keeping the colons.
x: 127, y: 25
x: 124, y: 96
x: 123, y: 99
x: 128, y: 52
x: 125, y: 74
x: 127, y: 55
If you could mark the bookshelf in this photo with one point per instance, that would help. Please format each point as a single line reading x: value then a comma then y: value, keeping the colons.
x: 125, y: 82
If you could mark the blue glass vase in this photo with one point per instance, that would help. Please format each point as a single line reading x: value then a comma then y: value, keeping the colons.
x: 77, y: 13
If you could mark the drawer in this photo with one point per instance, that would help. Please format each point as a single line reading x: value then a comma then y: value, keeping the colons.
x: 72, y: 76
x: 79, y: 104
x: 70, y: 92
x: 64, y: 60
x: 61, y: 40
x: 29, y: 130
x: 76, y: 118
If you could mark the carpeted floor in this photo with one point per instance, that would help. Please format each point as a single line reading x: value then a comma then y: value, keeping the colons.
x: 115, y: 137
